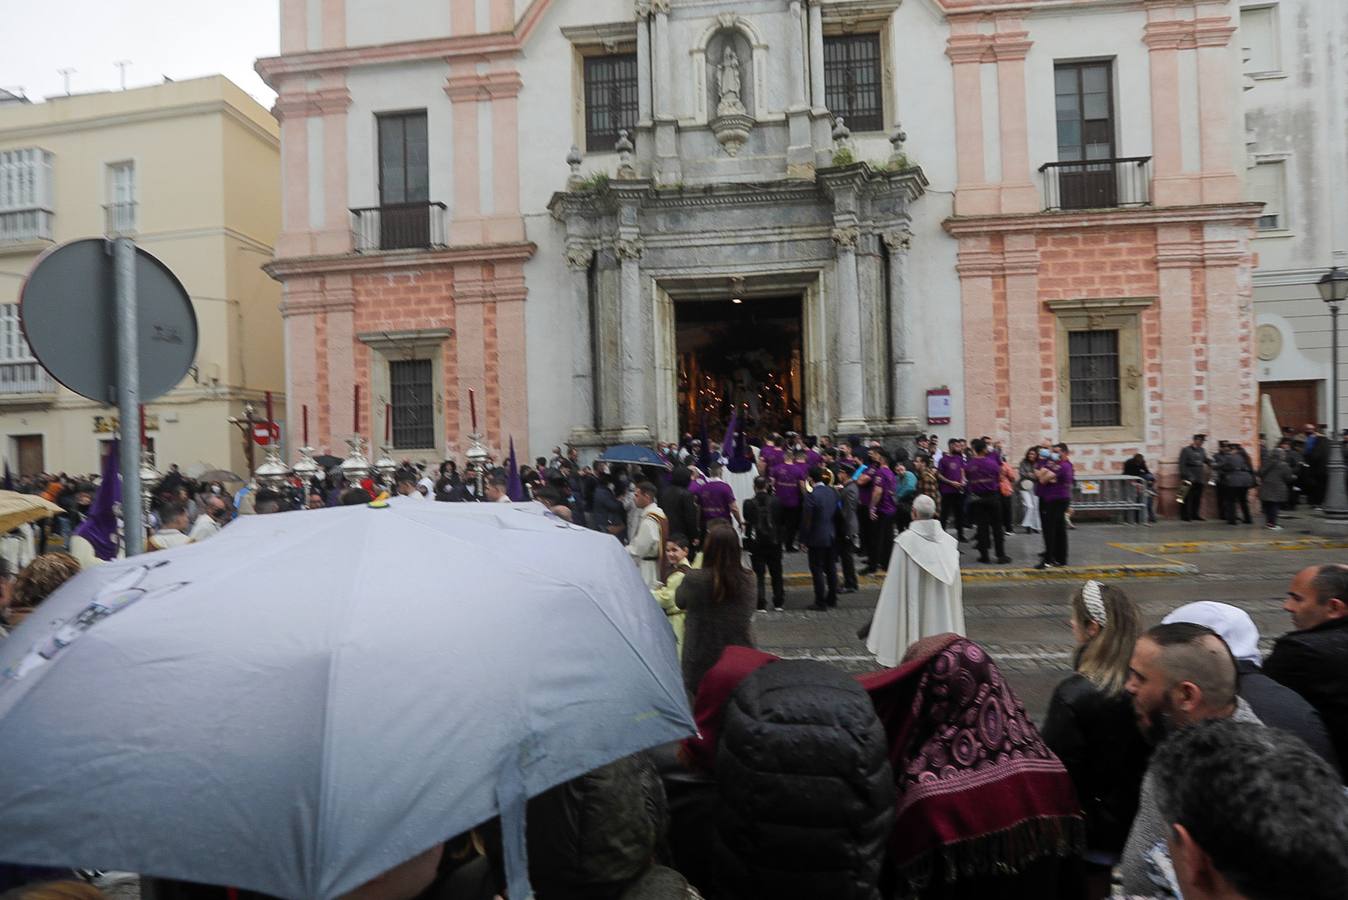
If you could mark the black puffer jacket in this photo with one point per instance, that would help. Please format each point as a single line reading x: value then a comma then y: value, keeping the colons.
x: 807, y: 797
x: 1097, y: 738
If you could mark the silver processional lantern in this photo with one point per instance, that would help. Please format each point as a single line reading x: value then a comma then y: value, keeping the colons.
x: 356, y: 467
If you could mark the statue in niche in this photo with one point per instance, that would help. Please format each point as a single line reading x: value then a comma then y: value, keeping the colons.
x: 728, y: 78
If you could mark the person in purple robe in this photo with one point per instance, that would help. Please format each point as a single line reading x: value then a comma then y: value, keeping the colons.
x: 1056, y: 477
x: 950, y: 477
x: 786, y: 478
x: 880, y: 511
x: 99, y: 527
x: 717, y: 500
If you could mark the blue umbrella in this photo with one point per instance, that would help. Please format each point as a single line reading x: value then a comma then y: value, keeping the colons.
x: 634, y: 454
x: 278, y: 709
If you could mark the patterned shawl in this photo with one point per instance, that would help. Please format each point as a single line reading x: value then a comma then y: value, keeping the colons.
x: 979, y: 793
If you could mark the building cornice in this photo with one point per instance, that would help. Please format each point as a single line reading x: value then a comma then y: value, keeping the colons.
x: 963, y: 226
x: 355, y: 263
x: 485, y: 86
x: 136, y: 117
x: 314, y: 103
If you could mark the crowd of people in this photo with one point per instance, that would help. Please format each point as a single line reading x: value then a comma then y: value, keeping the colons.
x: 1176, y: 758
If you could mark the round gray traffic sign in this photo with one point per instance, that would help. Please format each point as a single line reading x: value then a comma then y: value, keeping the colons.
x: 67, y: 310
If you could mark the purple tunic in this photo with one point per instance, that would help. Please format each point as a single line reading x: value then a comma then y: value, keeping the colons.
x: 984, y: 475
x: 1060, y: 489
x: 812, y: 458
x: 773, y: 456
x: 786, y: 478
x: 716, y: 498
x: 952, y: 467
x: 883, y: 482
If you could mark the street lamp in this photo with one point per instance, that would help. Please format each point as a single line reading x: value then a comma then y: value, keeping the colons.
x: 1333, y: 289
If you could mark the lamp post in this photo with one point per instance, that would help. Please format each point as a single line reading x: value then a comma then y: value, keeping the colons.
x: 1333, y: 289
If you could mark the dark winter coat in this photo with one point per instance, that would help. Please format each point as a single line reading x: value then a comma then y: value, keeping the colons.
x: 1275, y: 481
x: 1235, y: 471
x: 712, y: 626
x: 1097, y: 738
x: 807, y: 797
x: 681, y: 509
x: 1278, y: 706
x: 1314, y: 663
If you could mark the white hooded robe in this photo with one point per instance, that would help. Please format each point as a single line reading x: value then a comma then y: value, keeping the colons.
x: 922, y: 592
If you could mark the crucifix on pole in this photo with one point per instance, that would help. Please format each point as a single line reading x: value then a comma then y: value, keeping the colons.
x: 245, y: 425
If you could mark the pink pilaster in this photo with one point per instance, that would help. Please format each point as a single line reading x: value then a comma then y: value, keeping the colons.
x: 469, y: 338
x: 463, y: 17
x: 1165, y: 35
x: 299, y: 310
x: 1217, y: 96
x: 340, y: 302
x: 335, y: 99
x: 502, y: 15
x: 967, y: 49
x: 512, y: 373
x: 978, y: 263
x: 507, y: 225
x: 294, y: 238
x: 334, y: 24
x: 294, y: 26
x: 465, y: 91
x: 1177, y: 254
x: 1022, y: 332
x: 1009, y: 47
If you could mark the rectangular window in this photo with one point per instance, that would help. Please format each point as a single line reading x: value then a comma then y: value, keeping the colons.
x: 1259, y: 38
x: 1093, y: 360
x: 1268, y: 186
x: 611, y: 99
x: 1085, y: 102
x: 121, y: 208
x: 404, y: 181
x: 853, y: 84
x: 413, y: 401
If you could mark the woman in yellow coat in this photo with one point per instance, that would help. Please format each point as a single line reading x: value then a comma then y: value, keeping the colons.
x: 676, y: 550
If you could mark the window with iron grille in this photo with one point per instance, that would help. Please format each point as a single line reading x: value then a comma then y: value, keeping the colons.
x: 413, y: 404
x: 853, y: 86
x: 611, y: 99
x: 1093, y: 359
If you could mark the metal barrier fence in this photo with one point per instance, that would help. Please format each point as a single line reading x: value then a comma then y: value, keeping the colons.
x: 1124, y: 494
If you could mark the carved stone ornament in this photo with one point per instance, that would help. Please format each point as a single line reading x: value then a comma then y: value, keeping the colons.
x: 660, y: 6
x: 643, y: 9
x: 846, y: 237
x: 900, y: 240
x: 578, y: 257
x: 632, y: 248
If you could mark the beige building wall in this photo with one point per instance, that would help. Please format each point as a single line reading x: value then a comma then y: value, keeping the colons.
x: 206, y: 158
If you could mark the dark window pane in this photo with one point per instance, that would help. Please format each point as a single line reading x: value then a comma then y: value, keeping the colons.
x: 413, y: 404
x: 1093, y: 370
x: 611, y: 99
x: 852, y: 81
x: 1085, y: 110
x: 404, y: 171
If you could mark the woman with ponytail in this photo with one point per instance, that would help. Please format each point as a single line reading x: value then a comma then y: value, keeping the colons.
x: 1092, y: 728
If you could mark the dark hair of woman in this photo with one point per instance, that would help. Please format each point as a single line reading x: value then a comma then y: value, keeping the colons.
x: 722, y: 556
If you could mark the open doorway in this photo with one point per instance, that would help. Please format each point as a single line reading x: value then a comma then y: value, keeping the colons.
x: 745, y: 357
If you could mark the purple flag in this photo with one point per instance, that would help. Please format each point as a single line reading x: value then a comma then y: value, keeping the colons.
x: 99, y: 527
x: 514, y: 487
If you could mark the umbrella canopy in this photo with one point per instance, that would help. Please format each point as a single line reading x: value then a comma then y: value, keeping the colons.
x: 328, y: 461
x: 634, y: 454
x: 281, y: 710
x: 221, y: 475
x: 19, y: 509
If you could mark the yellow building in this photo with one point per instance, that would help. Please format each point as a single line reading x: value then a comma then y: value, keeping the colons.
x: 191, y: 169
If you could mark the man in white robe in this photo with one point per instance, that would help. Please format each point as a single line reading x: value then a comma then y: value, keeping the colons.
x: 647, y: 546
x: 922, y: 593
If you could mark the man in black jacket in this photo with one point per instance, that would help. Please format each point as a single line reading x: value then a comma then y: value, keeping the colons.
x: 1313, y: 660
x: 818, y: 506
x: 680, y: 507
x: 763, y: 526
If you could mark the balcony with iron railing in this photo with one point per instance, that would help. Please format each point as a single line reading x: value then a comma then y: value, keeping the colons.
x: 400, y: 226
x: 23, y: 226
x: 119, y: 219
x: 25, y: 381
x: 1097, y: 183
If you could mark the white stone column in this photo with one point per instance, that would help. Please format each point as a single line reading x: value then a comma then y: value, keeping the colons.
x: 663, y: 73
x: 816, y: 55
x: 795, y: 52
x: 851, y: 400
x: 578, y: 259
x: 636, y: 361
x: 644, y: 61
x: 898, y: 242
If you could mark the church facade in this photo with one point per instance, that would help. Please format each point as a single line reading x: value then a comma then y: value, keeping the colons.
x: 614, y: 221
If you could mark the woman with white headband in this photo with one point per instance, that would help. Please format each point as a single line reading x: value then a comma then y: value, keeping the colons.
x: 1092, y: 728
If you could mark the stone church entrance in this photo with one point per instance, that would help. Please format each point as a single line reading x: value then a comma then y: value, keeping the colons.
x: 746, y: 357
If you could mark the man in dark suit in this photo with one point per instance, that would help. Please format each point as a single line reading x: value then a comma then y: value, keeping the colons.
x: 818, y: 506
x: 681, y: 508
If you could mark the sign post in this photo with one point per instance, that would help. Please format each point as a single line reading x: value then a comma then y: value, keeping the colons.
x: 128, y: 393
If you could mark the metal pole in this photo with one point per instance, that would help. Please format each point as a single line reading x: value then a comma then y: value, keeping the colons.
x: 1336, y: 496
x: 128, y: 392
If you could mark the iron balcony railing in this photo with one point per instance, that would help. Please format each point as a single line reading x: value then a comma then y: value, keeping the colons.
x: 119, y: 219
x: 18, y: 226
x: 24, y: 378
x: 1097, y: 183
x: 399, y: 226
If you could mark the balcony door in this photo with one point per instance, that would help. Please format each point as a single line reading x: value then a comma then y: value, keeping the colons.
x: 404, y: 181
x: 1085, y: 103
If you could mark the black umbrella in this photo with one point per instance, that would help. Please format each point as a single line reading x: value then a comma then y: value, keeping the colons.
x: 327, y: 462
